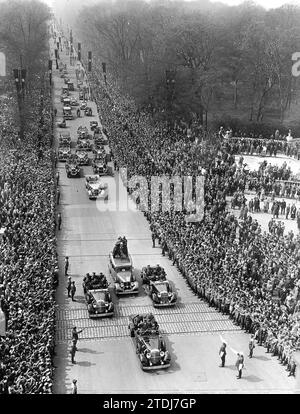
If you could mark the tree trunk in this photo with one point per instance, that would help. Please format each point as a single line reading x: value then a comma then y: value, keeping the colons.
x: 235, y: 94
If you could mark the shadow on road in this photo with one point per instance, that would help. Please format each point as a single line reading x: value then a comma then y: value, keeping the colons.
x: 89, y: 351
x: 262, y: 358
x: 252, y: 378
x: 85, y: 363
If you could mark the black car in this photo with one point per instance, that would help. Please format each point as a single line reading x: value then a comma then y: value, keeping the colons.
x: 72, y: 168
x: 161, y: 293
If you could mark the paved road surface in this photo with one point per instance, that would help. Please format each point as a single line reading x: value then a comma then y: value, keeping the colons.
x: 106, y: 359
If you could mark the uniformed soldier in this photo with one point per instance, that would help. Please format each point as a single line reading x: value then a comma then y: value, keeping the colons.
x: 73, y: 352
x: 153, y: 236
x: 69, y: 286
x: 222, y: 353
x: 251, y: 346
x: 73, y: 290
x: 59, y: 220
x: 66, y: 265
x: 240, y: 364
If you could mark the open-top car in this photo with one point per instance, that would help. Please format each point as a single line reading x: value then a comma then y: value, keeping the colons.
x: 88, y: 111
x: 70, y: 86
x: 120, y: 267
x: 83, y: 132
x: 161, y: 293
x: 82, y: 157
x: 74, y: 102
x: 65, y: 91
x: 64, y: 139
x: 64, y: 153
x: 67, y: 112
x: 153, y: 273
x: 84, y: 144
x: 99, y: 303
x: 66, y: 101
x: 99, y: 150
x: 150, y: 344
x: 100, y: 166
x: 93, y: 125
x: 99, y: 138
x: 94, y: 281
x: 83, y: 105
x: 95, y: 188
x: 72, y: 167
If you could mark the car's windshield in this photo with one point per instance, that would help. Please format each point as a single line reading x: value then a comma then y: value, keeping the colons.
x: 162, y: 286
x: 98, y: 296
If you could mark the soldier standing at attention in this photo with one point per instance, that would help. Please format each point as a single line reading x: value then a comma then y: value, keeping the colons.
x: 153, y: 238
x: 251, y: 346
x: 73, y: 352
x: 73, y: 290
x: 69, y: 286
x: 66, y: 265
x: 222, y: 354
x: 222, y: 351
x: 57, y: 177
x: 240, y: 364
x: 57, y: 195
x: 59, y: 221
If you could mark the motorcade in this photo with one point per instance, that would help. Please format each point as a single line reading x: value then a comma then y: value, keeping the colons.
x: 72, y: 167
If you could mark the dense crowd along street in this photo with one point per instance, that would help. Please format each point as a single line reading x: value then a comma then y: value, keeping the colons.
x: 100, y: 277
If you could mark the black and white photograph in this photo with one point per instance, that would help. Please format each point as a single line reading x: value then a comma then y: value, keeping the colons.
x: 150, y: 200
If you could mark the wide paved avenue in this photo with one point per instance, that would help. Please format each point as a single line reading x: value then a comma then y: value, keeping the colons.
x: 106, y: 361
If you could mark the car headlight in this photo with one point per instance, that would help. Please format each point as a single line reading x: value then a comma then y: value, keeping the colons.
x: 122, y: 284
x: 158, y: 295
x: 132, y: 284
x: 148, y: 355
x: 161, y: 353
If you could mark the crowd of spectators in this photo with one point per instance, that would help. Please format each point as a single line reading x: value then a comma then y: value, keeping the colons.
x: 28, y: 266
x: 262, y: 147
x: 252, y: 276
